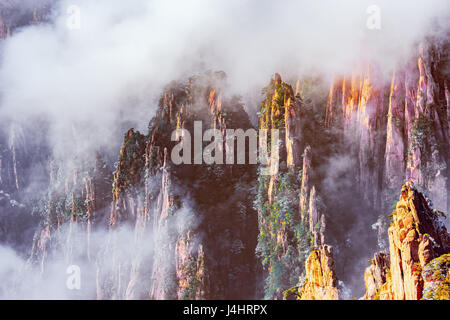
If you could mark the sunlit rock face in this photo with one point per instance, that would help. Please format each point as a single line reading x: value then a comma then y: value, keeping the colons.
x: 357, y: 106
x: 416, y: 237
x: 395, y: 130
x: 376, y: 278
x: 424, y: 122
x: 399, y: 129
x: 321, y: 282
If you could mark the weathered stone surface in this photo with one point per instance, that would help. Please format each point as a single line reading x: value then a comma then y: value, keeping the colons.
x: 305, y: 187
x: 320, y: 278
x: 190, y: 269
x: 376, y: 276
x: 293, y: 128
x: 317, y: 222
x: 398, y: 131
x: 395, y: 146
x: 416, y: 237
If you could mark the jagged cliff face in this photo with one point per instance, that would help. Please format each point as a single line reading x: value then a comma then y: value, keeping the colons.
x: 422, y: 125
x: 400, y: 129
x: 289, y: 209
x: 74, y: 206
x: 194, y: 225
x: 416, y: 237
x: 377, y: 278
x: 412, y: 145
x: 22, y: 170
x: 319, y: 282
x: 357, y: 107
x: 296, y: 206
x: 23, y: 153
x: 416, y: 267
x: 370, y: 136
x: 175, y: 231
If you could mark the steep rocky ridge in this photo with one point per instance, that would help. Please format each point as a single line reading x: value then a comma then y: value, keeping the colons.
x: 416, y: 237
x: 370, y: 136
x: 174, y: 231
x: 211, y: 202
